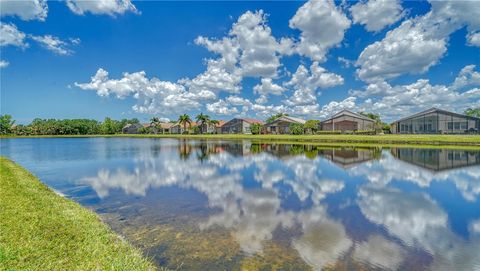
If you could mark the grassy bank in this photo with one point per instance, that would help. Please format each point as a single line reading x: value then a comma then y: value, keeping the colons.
x: 40, y: 230
x: 458, y: 140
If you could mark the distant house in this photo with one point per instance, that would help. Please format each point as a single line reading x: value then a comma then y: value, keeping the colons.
x: 436, y: 121
x: 346, y: 120
x: 178, y: 128
x: 218, y: 126
x: 239, y: 126
x: 165, y: 127
x: 281, y: 125
x: 132, y: 128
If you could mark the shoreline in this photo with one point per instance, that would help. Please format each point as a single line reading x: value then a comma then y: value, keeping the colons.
x: 42, y: 230
x: 384, y: 140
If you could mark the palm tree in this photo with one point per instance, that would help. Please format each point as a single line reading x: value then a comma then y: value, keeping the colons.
x: 155, y: 122
x: 184, y: 120
x: 203, y: 120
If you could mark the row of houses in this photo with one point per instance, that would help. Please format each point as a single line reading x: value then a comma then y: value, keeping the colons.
x: 431, y: 121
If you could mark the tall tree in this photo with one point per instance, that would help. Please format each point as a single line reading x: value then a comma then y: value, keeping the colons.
x: 473, y: 112
x: 6, y: 123
x: 276, y: 116
x: 311, y: 126
x: 156, y: 124
x: 203, y: 120
x: 184, y: 120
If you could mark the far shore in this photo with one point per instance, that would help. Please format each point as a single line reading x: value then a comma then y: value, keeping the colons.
x: 384, y: 140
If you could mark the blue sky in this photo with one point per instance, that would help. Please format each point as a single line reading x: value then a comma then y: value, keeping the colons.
x: 122, y: 59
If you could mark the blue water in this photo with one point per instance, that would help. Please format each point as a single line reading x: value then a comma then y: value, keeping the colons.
x: 238, y: 205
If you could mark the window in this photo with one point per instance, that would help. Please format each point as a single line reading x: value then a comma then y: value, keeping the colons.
x: 463, y: 126
x: 450, y: 125
x: 457, y: 125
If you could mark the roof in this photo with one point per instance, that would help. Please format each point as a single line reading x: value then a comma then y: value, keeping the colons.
x: 435, y: 110
x: 290, y: 119
x: 220, y: 123
x: 166, y: 125
x: 135, y: 125
x: 349, y: 113
x: 251, y: 121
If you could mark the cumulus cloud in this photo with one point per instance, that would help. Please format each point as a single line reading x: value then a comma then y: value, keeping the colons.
x: 109, y: 7
x: 4, y: 64
x: 474, y: 39
x: 153, y: 95
x: 306, y: 82
x: 322, y: 27
x: 267, y: 87
x: 10, y: 35
x: 418, y: 43
x: 377, y: 14
x: 467, y: 77
x: 25, y: 9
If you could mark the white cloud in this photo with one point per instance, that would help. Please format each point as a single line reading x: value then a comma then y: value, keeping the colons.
x: 322, y: 27
x: 307, y: 82
x: 153, y: 95
x: 334, y: 107
x: 406, y: 49
x: 55, y: 44
x: 4, y: 64
x: 24, y: 9
x: 267, y: 87
x: 215, y: 78
x: 418, y: 43
x: 259, y: 48
x: 221, y: 107
x: 467, y: 77
x: 376, y: 14
x: 109, y: 7
x: 474, y: 39
x: 10, y: 35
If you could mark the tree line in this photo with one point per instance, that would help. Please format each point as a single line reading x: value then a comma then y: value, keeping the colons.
x: 63, y: 126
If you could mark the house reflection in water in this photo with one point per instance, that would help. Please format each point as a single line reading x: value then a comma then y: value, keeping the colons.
x: 350, y: 157
x: 437, y: 159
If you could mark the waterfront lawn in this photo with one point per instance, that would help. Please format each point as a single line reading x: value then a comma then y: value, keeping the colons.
x: 40, y: 230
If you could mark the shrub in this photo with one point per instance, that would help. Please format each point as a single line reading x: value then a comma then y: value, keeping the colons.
x: 365, y: 132
x: 296, y: 128
x: 255, y: 128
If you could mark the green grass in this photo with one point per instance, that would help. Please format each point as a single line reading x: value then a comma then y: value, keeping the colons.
x: 40, y: 230
x: 462, y: 140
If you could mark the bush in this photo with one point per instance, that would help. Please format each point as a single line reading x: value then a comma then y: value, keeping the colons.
x: 296, y: 128
x: 255, y: 128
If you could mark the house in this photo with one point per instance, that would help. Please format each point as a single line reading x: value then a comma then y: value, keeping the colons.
x: 436, y: 121
x: 239, y: 126
x: 165, y: 127
x: 347, y: 120
x: 437, y: 159
x: 349, y: 157
x: 281, y: 125
x: 218, y: 126
x: 132, y: 128
x: 178, y: 128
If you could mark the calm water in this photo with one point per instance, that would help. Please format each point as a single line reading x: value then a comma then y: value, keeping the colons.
x: 214, y: 205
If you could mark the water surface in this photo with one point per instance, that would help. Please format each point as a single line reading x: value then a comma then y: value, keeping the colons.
x: 238, y: 205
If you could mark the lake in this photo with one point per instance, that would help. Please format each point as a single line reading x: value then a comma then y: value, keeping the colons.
x: 240, y: 205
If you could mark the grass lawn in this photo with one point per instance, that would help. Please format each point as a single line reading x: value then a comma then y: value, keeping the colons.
x: 40, y: 230
x: 459, y: 140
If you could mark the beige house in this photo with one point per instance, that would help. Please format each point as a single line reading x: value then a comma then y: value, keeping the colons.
x: 178, y: 128
x: 281, y: 125
x: 346, y: 120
